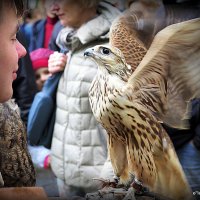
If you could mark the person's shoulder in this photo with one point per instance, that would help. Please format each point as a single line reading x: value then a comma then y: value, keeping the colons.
x: 39, y: 23
x: 58, y: 25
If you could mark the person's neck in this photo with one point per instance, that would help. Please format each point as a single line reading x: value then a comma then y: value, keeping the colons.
x: 52, y: 20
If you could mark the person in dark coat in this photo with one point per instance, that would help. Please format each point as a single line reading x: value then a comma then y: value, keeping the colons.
x: 187, y: 145
x: 24, y: 87
x: 42, y: 29
x: 187, y: 142
x: 52, y: 43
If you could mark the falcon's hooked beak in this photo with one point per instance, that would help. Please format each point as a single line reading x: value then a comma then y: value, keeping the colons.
x: 110, y: 59
x: 98, y: 54
x: 89, y: 52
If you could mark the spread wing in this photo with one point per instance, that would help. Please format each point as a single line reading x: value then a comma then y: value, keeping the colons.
x: 133, y: 31
x: 125, y: 38
x: 168, y: 75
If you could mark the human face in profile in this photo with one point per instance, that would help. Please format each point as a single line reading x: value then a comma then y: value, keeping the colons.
x: 10, y: 52
x: 72, y: 14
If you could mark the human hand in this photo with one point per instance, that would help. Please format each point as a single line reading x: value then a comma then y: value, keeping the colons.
x: 56, y: 62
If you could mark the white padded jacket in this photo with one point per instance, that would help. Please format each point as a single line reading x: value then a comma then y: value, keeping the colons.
x: 79, y: 148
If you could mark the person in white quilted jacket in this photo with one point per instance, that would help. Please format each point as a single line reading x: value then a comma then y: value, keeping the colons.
x: 79, y: 149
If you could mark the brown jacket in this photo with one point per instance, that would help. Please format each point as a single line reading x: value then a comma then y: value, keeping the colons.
x: 16, y: 166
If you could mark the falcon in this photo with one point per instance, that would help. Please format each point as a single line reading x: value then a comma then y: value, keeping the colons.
x: 132, y: 102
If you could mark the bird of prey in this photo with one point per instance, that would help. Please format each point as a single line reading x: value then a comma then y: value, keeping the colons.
x: 131, y: 102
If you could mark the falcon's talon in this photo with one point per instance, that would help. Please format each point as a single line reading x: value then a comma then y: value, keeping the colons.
x: 106, y: 183
x: 116, y: 178
x: 138, y: 186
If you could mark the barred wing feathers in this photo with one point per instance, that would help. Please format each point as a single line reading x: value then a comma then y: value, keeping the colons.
x: 173, y: 62
x: 125, y: 37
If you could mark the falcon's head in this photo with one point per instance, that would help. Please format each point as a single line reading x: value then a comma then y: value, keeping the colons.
x: 110, y: 60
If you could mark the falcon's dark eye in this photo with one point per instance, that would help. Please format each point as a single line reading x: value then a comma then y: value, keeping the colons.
x: 105, y: 51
